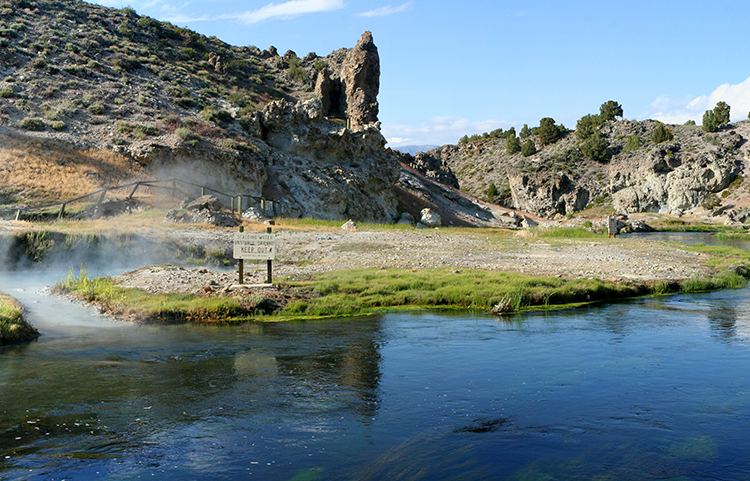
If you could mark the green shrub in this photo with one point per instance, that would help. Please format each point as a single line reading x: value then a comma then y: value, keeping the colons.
x: 548, y: 131
x: 712, y: 201
x: 185, y: 134
x: 148, y: 130
x: 595, y: 148
x: 512, y: 145
x: 710, y: 122
x: 321, y: 64
x: 219, y: 117
x: 634, y: 142
x: 97, y: 109
x: 58, y: 125
x: 587, y: 125
x: 722, y: 113
x: 30, y: 123
x: 662, y: 134
x: 127, y: 64
x: 7, y: 93
x: 529, y: 148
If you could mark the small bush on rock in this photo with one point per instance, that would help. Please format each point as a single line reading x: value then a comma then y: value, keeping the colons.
x: 30, y: 123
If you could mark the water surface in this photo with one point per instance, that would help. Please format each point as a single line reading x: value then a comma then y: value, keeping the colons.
x: 646, y: 389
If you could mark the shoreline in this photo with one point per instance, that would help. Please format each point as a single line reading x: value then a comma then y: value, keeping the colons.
x: 14, y: 328
x: 342, y: 269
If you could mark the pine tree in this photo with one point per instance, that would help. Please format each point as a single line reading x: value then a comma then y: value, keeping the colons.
x: 722, y: 113
x: 548, y: 131
x: 529, y: 148
x: 609, y: 110
x: 662, y: 134
x: 512, y: 144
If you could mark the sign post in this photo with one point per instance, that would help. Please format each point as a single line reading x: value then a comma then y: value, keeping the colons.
x: 255, y: 247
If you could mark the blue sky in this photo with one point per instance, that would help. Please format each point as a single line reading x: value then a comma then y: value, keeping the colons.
x: 451, y: 68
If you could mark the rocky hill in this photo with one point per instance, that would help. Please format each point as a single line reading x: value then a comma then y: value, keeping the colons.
x: 91, y: 96
x: 693, y: 171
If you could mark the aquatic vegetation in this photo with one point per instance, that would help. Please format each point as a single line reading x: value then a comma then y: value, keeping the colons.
x: 13, y: 325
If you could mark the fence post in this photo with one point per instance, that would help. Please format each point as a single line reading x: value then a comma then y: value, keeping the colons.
x: 269, y: 280
x: 132, y: 192
x: 239, y: 205
x: 203, y: 191
x: 18, y: 214
x: 231, y: 200
x: 242, y: 263
x: 263, y: 205
x: 62, y: 212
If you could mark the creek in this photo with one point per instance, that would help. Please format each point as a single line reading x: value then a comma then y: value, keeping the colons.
x: 654, y: 388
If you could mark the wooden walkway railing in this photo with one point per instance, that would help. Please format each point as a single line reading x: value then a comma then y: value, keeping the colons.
x: 274, y: 206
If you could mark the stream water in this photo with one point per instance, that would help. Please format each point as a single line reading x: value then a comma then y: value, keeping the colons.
x: 646, y: 389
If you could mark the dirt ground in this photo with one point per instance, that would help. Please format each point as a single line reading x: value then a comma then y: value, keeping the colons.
x: 302, y: 253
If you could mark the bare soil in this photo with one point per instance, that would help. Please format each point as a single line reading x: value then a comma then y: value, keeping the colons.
x: 304, y: 253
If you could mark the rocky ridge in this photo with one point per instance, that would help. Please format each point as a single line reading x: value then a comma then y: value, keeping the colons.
x: 169, y: 103
x: 692, y: 172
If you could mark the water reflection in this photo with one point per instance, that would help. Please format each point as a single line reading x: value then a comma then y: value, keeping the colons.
x: 723, y: 322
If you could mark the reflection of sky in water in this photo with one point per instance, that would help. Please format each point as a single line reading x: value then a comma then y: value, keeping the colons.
x: 649, y: 389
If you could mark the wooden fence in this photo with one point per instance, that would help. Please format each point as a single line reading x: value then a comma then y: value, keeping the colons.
x: 175, y: 186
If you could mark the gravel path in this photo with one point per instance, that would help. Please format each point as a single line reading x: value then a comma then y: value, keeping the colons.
x: 304, y: 253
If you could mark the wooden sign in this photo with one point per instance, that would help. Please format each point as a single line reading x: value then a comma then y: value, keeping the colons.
x: 254, y: 246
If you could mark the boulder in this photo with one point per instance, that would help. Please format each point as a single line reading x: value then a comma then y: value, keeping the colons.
x: 406, y: 218
x: 527, y: 223
x: 220, y: 219
x: 254, y: 214
x: 204, y: 202
x: 349, y: 225
x: 430, y: 218
x: 178, y: 217
x: 638, y: 226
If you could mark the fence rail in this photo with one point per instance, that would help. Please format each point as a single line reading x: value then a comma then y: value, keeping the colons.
x: 265, y: 204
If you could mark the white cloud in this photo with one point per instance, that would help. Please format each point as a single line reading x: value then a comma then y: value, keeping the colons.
x: 678, y: 111
x: 285, y: 10
x: 438, y: 131
x: 387, y: 10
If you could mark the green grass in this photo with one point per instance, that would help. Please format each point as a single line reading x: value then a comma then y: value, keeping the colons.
x: 565, y: 233
x: 175, y: 307
x: 364, y: 291
x: 361, y: 292
x: 13, y: 325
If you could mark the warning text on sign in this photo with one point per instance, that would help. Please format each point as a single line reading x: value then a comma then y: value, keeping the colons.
x: 254, y: 246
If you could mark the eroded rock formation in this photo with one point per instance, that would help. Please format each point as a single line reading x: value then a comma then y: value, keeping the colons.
x: 350, y: 88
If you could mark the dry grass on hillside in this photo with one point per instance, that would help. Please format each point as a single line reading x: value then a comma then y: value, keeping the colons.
x: 33, y: 170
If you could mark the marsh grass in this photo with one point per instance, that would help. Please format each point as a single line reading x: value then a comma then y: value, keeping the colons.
x: 172, y: 307
x: 13, y: 325
x: 565, y: 233
x: 363, y: 291
x: 723, y: 257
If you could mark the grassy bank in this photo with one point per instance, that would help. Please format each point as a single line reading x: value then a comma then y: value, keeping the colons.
x: 13, y: 326
x: 360, y: 292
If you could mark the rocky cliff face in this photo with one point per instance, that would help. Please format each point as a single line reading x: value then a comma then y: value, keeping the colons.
x: 641, y: 176
x: 302, y: 131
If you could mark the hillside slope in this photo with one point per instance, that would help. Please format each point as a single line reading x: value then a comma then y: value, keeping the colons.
x: 694, y: 171
x: 91, y: 96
